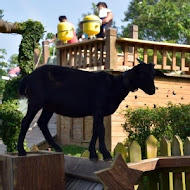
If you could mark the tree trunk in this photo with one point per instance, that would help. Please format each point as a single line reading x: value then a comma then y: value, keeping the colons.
x: 8, y: 27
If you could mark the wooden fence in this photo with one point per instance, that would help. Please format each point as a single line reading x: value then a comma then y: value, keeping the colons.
x: 167, y: 170
x: 166, y: 178
x: 120, y: 53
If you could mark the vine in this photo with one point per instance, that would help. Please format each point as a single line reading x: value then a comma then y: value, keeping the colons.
x: 32, y: 33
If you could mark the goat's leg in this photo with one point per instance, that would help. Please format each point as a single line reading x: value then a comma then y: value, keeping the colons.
x: 101, y: 136
x: 32, y: 111
x: 43, y: 125
x: 92, y: 146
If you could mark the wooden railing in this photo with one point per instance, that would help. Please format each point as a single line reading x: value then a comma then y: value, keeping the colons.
x: 85, y: 54
x: 120, y: 53
x: 166, y: 51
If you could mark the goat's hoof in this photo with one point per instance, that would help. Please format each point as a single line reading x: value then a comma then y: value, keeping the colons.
x: 23, y: 153
x: 58, y: 149
x: 108, y: 158
x: 93, y: 159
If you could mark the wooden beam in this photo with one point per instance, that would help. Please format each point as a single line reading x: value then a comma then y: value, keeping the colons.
x: 84, y: 168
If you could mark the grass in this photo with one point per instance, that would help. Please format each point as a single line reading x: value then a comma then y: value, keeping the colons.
x: 73, y: 150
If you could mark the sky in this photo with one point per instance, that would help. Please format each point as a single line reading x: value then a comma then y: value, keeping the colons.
x: 47, y: 12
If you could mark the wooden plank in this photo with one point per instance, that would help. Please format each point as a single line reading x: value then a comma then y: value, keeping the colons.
x: 177, y: 150
x: 135, y: 153
x: 58, y: 53
x: 135, y: 55
x: 70, y: 57
x: 151, y: 147
x: 174, y: 65
x: 85, y: 57
x: 80, y: 57
x: 145, y: 57
x: 96, y: 54
x: 101, y: 54
x: 164, y: 59
x: 183, y: 67
x: 142, y: 43
x: 151, y: 152
x: 166, y: 178
x: 187, y: 153
x: 83, y: 167
x: 155, y: 59
x: 75, y: 57
x: 90, y: 55
x: 126, y: 49
x: 121, y: 149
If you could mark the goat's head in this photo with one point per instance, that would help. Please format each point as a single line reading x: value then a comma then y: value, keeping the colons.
x: 143, y: 77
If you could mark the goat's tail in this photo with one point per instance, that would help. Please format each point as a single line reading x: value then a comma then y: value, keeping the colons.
x: 22, y: 87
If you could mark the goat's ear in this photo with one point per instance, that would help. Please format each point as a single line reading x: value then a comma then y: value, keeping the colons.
x: 141, y: 62
x: 159, y: 73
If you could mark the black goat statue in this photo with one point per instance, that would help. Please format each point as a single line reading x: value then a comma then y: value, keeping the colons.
x: 75, y: 93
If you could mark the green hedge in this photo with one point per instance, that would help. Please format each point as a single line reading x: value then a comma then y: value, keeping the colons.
x: 161, y: 121
x: 10, y: 123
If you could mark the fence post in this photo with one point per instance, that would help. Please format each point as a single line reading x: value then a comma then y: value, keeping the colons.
x: 45, y: 46
x: 111, y: 49
x: 166, y: 178
x: 120, y: 149
x: 187, y: 153
x: 177, y: 150
x: 151, y: 152
x: 135, y: 153
x: 151, y: 147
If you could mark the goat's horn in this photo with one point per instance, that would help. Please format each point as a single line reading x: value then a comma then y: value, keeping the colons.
x: 141, y: 62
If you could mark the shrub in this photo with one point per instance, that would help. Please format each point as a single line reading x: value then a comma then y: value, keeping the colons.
x: 161, y: 121
x: 10, y: 123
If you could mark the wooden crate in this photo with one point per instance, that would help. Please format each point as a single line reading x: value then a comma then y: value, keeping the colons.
x: 38, y: 170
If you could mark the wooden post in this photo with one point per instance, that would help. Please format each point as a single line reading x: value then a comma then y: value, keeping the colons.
x: 58, y: 52
x: 121, y: 149
x: 36, y: 55
x: 151, y: 147
x: 166, y: 178
x: 177, y: 150
x: 111, y: 49
x: 135, y: 153
x: 187, y: 153
x: 45, y: 46
x: 38, y: 170
x: 133, y: 33
x: 107, y: 124
x: 151, y: 152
